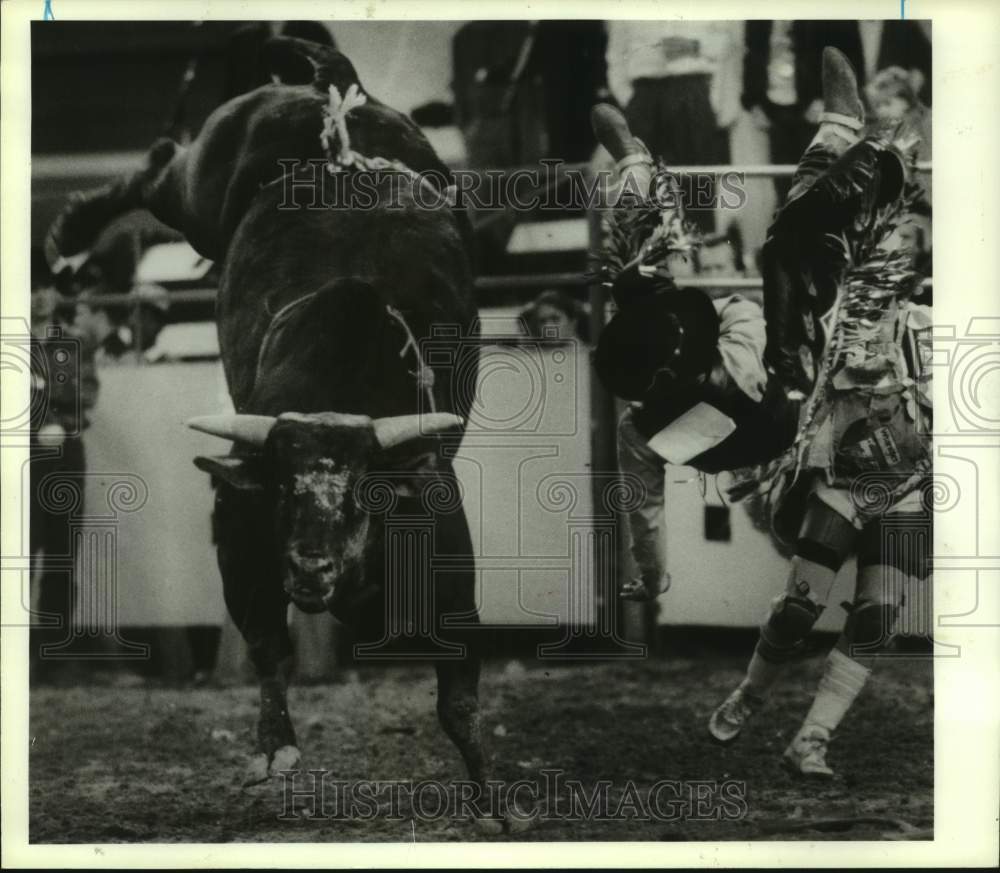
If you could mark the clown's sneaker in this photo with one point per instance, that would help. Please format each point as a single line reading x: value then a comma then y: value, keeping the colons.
x: 806, y: 754
x: 728, y: 719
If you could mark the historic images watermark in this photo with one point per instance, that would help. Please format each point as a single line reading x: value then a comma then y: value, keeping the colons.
x: 552, y: 186
x: 314, y: 794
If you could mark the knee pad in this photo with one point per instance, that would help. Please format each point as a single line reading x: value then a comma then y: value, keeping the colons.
x: 791, y: 618
x: 903, y: 542
x: 869, y: 626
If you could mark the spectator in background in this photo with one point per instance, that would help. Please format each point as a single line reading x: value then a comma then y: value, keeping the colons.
x: 63, y: 389
x: 893, y: 95
x: 781, y: 81
x: 556, y: 315
x: 524, y: 89
x: 780, y: 88
x: 894, y: 43
x: 569, y: 59
x: 677, y: 82
x: 721, y: 256
x: 134, y: 328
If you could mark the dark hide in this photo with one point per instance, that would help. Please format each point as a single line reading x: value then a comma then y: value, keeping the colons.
x: 336, y: 352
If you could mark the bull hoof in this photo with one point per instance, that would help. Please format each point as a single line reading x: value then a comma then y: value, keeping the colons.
x: 286, y: 758
x: 260, y: 768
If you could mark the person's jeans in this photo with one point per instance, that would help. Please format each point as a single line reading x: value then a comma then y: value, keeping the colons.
x: 648, y: 542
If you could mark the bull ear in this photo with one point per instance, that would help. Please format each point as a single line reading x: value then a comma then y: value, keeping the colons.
x: 244, y: 474
x: 301, y: 62
x: 396, y: 429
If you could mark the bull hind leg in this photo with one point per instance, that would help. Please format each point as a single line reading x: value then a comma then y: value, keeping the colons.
x: 86, y: 214
x: 259, y: 608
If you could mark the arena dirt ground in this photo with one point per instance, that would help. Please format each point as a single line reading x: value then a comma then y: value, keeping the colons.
x: 120, y: 762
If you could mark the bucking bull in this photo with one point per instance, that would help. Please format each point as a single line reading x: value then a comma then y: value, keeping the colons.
x: 321, y: 313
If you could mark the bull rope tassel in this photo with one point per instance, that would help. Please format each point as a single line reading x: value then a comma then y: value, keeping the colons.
x: 423, y: 375
x: 340, y: 157
x: 335, y: 128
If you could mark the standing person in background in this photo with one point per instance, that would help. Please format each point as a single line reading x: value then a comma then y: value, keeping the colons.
x: 782, y: 89
x: 63, y: 388
x: 568, y: 57
x: 677, y: 82
x: 779, y: 89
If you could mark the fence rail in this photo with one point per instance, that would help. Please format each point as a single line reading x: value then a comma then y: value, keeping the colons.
x: 526, y: 282
x: 74, y: 166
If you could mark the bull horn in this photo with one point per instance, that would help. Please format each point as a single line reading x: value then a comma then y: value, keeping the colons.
x: 396, y: 429
x: 250, y: 429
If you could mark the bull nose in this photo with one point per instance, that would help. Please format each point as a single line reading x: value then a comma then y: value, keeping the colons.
x: 310, y: 564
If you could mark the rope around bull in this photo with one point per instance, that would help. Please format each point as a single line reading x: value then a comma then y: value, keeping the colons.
x: 336, y: 142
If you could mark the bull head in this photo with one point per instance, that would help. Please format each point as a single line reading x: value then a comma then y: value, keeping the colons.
x: 309, y: 464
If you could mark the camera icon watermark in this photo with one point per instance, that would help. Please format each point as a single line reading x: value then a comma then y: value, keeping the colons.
x: 971, y: 365
x: 53, y: 366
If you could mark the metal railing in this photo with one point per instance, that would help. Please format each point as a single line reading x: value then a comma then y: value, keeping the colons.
x: 603, y: 416
x: 514, y: 282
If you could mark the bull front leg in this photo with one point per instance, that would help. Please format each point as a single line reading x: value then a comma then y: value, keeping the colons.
x: 258, y: 606
x: 458, y: 711
x: 277, y: 748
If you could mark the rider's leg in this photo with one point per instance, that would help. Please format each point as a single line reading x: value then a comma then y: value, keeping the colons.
x: 825, y: 540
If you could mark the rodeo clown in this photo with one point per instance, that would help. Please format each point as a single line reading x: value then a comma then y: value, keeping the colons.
x: 692, y: 368
x: 842, y: 337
